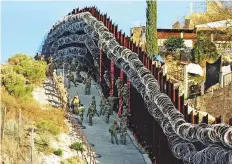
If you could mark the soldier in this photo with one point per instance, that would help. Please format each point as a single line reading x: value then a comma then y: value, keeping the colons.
x: 81, y: 112
x: 102, y: 106
x: 75, y: 105
x: 88, y: 85
x: 90, y: 114
x: 123, y: 129
x: 125, y: 94
x: 94, y: 105
x: 118, y: 84
x: 70, y: 79
x: 79, y: 78
x: 108, y: 111
x: 107, y: 78
x: 124, y: 109
x: 113, y: 131
x: 111, y: 100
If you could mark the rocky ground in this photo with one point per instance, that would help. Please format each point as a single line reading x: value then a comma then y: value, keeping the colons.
x: 63, y: 140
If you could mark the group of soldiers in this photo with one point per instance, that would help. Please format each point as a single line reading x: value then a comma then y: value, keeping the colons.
x: 106, y: 106
x: 79, y: 79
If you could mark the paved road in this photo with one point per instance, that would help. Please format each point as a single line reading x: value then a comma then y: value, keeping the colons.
x: 99, y: 135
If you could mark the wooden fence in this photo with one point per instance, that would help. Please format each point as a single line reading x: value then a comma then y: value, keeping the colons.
x: 146, y: 130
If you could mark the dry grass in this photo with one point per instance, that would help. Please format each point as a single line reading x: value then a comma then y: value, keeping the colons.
x: 73, y: 160
x: 31, y: 115
x: 32, y: 111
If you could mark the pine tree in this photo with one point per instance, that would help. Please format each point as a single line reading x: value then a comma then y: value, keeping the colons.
x: 151, y: 28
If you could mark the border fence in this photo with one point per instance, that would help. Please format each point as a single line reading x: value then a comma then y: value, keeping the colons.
x: 144, y: 127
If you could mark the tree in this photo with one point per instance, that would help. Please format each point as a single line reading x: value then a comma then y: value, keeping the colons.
x: 173, y: 43
x: 33, y: 70
x: 151, y: 28
x: 217, y: 11
x: 15, y: 83
x: 204, y: 49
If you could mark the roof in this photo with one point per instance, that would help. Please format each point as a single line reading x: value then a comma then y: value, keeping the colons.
x: 217, y: 24
x: 170, y: 30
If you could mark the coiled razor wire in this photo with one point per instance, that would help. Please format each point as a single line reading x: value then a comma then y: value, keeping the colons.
x: 180, y: 134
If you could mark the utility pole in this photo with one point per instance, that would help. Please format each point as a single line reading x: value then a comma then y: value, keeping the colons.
x: 191, y: 7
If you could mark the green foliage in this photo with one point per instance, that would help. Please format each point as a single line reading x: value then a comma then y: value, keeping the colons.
x: 78, y: 146
x: 33, y: 70
x: 48, y: 126
x: 151, y: 28
x: 42, y: 142
x: 173, y: 43
x: 15, y: 83
x: 204, y: 49
x: 58, y: 152
x: 72, y: 160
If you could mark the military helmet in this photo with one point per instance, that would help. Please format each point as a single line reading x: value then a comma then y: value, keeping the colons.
x: 115, y: 121
x: 93, y: 97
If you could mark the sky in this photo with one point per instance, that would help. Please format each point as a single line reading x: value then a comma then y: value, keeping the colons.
x: 24, y: 24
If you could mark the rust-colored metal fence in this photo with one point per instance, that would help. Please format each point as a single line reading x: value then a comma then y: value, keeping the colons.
x: 146, y: 130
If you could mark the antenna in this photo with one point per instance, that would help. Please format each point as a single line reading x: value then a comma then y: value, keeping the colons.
x: 191, y: 7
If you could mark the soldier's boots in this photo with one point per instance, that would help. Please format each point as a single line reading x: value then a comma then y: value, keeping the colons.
x: 107, y: 118
x: 90, y: 122
x: 112, y: 140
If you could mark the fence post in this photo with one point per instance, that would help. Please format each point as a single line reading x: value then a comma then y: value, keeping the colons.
x: 1, y: 135
x: 112, y: 78
x: 3, y: 125
x: 32, y: 144
x: 19, y: 127
x: 185, y: 82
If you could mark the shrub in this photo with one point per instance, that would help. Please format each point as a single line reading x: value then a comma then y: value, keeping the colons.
x: 58, y: 152
x: 15, y: 84
x: 33, y: 70
x: 204, y: 49
x: 78, y: 146
x: 173, y: 43
x: 48, y: 126
x: 42, y: 142
x: 73, y: 160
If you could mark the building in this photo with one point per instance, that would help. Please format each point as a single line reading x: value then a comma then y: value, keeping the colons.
x: 138, y: 35
x: 190, y: 27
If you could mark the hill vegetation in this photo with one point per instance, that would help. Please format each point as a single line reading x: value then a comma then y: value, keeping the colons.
x: 21, y: 113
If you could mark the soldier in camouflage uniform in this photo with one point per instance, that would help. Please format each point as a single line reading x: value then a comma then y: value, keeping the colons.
x: 123, y: 129
x: 124, y: 109
x: 102, y: 106
x: 107, y: 78
x: 108, y: 111
x: 70, y: 79
x: 75, y: 105
x: 118, y: 84
x: 112, y: 100
x: 113, y: 131
x: 88, y: 85
x: 94, y: 105
x: 90, y: 114
x: 81, y: 112
x: 125, y: 94
x: 79, y: 78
